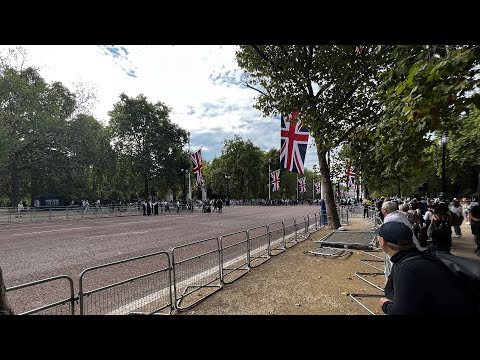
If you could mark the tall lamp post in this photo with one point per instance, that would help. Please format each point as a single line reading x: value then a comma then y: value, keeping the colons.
x: 184, y: 171
x: 189, y: 186
x: 227, y: 178
x: 443, y: 143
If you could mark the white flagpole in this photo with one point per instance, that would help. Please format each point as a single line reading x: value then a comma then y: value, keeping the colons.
x: 313, y: 189
x: 189, y: 181
x: 269, y: 184
x: 297, y: 186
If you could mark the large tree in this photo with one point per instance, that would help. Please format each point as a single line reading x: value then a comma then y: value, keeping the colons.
x: 33, y: 118
x: 425, y: 90
x: 332, y: 87
x: 242, y: 162
x: 143, y: 131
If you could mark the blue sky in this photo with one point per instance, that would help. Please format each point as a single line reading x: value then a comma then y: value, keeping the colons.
x: 200, y: 83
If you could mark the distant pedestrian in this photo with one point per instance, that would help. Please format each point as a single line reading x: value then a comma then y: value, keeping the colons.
x: 440, y: 229
x: 475, y: 226
x: 457, y: 210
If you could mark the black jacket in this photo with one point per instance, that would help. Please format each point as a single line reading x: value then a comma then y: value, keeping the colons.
x: 423, y: 286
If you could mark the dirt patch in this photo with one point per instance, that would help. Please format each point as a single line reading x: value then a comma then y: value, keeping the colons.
x: 295, y: 283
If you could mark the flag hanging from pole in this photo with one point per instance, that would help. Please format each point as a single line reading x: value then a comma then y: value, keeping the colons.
x: 197, y: 166
x: 318, y: 187
x: 351, y: 174
x: 293, y: 143
x: 275, y: 175
x: 303, y: 184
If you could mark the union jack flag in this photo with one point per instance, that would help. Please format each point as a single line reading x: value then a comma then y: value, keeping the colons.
x: 293, y: 143
x: 303, y: 184
x: 318, y: 187
x: 197, y: 166
x: 351, y: 174
x: 275, y: 175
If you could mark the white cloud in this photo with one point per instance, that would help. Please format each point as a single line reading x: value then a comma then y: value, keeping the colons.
x: 185, y: 78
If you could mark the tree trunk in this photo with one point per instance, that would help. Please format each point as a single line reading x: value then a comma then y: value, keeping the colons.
x: 333, y: 219
x: 5, y: 308
x: 14, y: 183
x: 146, y: 188
x: 478, y: 186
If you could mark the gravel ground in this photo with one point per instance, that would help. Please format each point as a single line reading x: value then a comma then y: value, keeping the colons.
x: 294, y: 283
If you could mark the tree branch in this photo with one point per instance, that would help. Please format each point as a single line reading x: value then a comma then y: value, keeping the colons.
x: 260, y: 91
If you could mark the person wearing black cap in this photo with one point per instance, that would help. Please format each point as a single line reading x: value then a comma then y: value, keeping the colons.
x: 418, y: 284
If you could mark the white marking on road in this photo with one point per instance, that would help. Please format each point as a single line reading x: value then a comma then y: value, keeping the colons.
x: 116, y: 234
x: 33, y: 227
x: 46, y: 231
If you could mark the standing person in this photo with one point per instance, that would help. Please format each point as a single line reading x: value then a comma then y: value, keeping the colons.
x: 418, y: 284
x: 440, y: 230
x: 457, y: 210
x: 475, y: 225
x: 428, y: 215
x: 466, y: 211
x: 366, y: 204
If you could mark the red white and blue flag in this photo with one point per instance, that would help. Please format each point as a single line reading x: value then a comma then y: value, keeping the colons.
x: 318, y: 187
x: 293, y: 143
x: 197, y: 166
x: 351, y: 174
x: 303, y: 184
x: 275, y: 175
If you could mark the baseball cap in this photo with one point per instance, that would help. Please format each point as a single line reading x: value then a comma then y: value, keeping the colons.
x: 396, y: 232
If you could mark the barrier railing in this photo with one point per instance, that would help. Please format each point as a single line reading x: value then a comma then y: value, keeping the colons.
x: 137, y: 288
x: 258, y: 245
x: 196, y: 270
x: 235, y: 256
x: 65, y: 306
x: 301, y: 226
x: 290, y: 232
x: 276, y: 231
x: 199, y: 268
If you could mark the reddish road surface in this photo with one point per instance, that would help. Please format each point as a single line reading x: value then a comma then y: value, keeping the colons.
x: 33, y: 251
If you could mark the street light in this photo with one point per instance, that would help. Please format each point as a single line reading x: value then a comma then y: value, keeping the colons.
x: 443, y: 143
x: 227, y: 177
x: 185, y: 172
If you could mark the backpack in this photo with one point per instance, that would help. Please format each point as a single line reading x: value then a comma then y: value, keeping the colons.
x: 441, y: 229
x: 467, y: 271
x: 411, y: 217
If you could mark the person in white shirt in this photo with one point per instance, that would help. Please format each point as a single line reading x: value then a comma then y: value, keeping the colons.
x: 457, y: 209
x: 390, y: 212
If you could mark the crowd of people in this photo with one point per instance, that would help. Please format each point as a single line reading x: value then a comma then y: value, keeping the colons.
x: 411, y: 233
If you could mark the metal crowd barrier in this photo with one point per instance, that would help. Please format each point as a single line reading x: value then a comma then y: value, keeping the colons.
x: 235, y: 256
x: 197, y: 272
x: 64, y: 306
x: 276, y: 231
x: 146, y: 292
x: 258, y: 245
x: 290, y: 230
x: 363, y: 276
x: 31, y: 214
x: 301, y: 228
